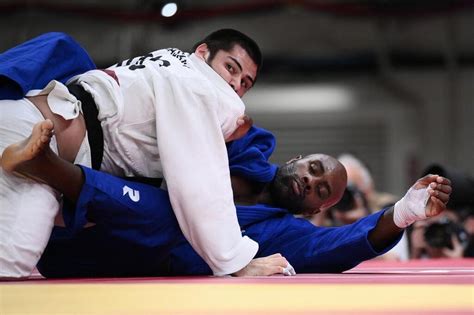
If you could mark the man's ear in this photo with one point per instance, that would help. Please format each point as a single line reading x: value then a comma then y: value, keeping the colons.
x: 202, y: 51
x: 296, y: 158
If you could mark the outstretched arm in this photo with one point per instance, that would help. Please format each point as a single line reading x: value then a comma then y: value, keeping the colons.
x: 425, y: 199
x: 335, y: 249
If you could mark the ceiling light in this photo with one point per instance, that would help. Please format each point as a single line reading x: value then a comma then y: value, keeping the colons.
x: 169, y: 9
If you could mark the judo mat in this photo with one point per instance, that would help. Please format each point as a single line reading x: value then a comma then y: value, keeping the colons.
x: 374, y: 287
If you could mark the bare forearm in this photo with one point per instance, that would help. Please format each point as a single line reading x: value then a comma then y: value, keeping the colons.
x: 385, y: 232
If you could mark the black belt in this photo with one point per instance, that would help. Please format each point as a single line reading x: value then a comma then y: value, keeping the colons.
x: 94, y: 130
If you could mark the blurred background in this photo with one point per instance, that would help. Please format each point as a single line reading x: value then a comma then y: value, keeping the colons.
x: 390, y: 81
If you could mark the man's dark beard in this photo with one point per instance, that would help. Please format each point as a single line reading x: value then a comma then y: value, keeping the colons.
x: 281, y: 190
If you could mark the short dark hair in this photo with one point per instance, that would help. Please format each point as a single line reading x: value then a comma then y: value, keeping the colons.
x: 226, y: 39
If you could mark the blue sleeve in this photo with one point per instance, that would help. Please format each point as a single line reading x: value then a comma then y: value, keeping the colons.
x: 126, y: 210
x: 308, y: 248
x: 252, y: 221
x: 312, y: 249
x: 184, y: 261
x: 31, y: 65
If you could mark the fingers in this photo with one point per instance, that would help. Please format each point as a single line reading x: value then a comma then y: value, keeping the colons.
x: 266, y: 266
x: 441, y: 190
x: 437, y: 202
x: 289, y: 270
x: 441, y: 187
x: 443, y: 180
x: 435, y: 207
x: 443, y: 197
x: 244, y: 123
x: 425, y: 181
x: 245, y: 120
x: 277, y: 260
x: 272, y: 256
x: 435, y: 182
x: 284, y: 266
x: 276, y: 270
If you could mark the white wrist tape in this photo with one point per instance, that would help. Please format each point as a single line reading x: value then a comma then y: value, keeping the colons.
x: 411, y: 207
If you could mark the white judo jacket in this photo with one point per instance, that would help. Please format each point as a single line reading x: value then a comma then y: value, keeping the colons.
x: 166, y: 115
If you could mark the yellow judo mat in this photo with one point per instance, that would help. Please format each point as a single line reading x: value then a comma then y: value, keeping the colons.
x: 427, y: 288
x: 201, y: 298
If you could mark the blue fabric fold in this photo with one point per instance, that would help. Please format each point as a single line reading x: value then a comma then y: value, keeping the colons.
x: 31, y: 65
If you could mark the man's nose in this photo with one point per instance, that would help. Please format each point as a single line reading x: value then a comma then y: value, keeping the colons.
x: 309, y: 182
x: 235, y: 84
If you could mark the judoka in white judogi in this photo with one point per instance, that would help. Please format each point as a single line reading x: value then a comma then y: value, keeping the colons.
x: 167, y: 115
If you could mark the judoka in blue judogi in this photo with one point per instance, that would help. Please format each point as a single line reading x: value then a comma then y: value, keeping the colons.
x: 136, y: 233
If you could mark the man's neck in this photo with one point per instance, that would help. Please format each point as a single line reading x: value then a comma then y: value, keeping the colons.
x: 247, y: 192
x: 265, y: 196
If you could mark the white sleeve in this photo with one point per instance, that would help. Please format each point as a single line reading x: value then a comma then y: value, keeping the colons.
x: 195, y: 165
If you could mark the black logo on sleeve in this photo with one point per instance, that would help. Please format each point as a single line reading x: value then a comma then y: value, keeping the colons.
x: 162, y: 61
x: 141, y: 61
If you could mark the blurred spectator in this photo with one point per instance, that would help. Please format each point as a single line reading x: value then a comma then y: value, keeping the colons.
x: 452, y: 234
x: 359, y: 176
x: 442, y: 237
x: 352, y: 206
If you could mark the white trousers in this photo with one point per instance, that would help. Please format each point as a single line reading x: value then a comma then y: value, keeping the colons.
x: 27, y: 208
